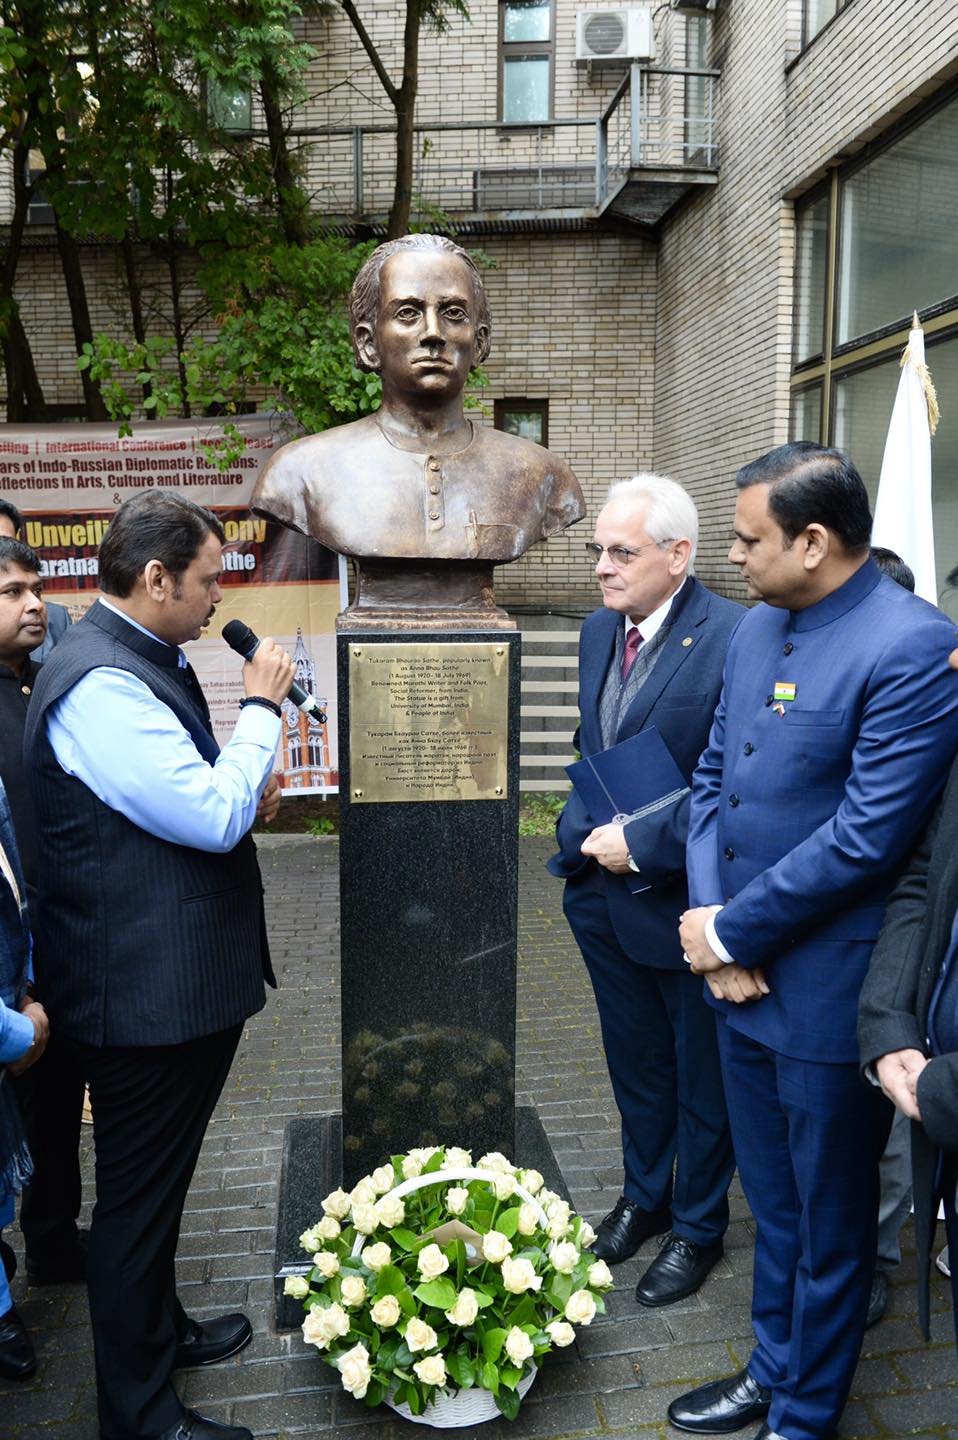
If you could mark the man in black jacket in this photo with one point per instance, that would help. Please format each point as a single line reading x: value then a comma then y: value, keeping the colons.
x: 908, y: 1024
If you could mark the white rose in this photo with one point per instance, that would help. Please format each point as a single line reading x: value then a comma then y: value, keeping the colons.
x: 386, y: 1312
x: 326, y: 1263
x: 457, y: 1199
x: 391, y: 1211
x: 365, y: 1218
x: 432, y: 1370
x: 309, y: 1240
x: 363, y: 1192
x: 558, y: 1225
x: 586, y: 1234
x: 322, y: 1326
x: 374, y: 1257
x: 383, y: 1179
x: 496, y: 1161
x: 580, y: 1308
x: 416, y: 1160
x: 355, y: 1370
x: 504, y: 1186
x: 560, y: 1332
x: 420, y: 1336
x: 600, y: 1276
x: 297, y: 1286
x: 518, y: 1346
x: 563, y: 1257
x: 353, y: 1290
x: 432, y: 1262
x: 528, y: 1220
x: 465, y: 1310
x: 558, y: 1207
x: 546, y: 1196
x: 531, y: 1180
x: 327, y: 1229
x: 496, y: 1247
x: 336, y: 1204
x: 457, y: 1158
x: 518, y: 1276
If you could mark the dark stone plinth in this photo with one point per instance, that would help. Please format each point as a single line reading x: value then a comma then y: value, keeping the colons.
x: 428, y: 909
x: 312, y: 1167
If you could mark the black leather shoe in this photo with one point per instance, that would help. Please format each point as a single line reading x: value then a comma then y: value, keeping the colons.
x: 207, y: 1341
x: 197, y: 1427
x: 721, y: 1406
x: 8, y: 1258
x: 678, y: 1270
x: 17, y: 1360
x: 625, y: 1228
x: 877, y: 1299
x: 764, y: 1433
x: 67, y: 1268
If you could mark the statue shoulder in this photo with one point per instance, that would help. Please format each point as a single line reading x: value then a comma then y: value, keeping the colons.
x: 305, y: 464
x: 542, y: 470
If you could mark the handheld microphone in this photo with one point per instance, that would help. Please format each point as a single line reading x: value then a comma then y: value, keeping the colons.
x: 239, y: 637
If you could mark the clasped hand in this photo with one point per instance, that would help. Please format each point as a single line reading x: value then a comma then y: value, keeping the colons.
x: 606, y: 844
x: 726, y: 982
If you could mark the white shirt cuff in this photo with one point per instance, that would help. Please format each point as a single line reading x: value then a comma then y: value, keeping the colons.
x: 711, y: 935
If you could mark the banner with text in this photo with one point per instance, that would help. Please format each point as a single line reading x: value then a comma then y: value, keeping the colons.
x: 68, y: 480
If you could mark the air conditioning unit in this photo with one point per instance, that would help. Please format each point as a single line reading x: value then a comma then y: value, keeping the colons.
x: 694, y: 8
x: 614, y: 37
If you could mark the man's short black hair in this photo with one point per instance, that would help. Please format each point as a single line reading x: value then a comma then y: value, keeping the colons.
x: 15, y: 552
x: 12, y: 513
x: 154, y: 525
x: 812, y: 484
x: 894, y: 567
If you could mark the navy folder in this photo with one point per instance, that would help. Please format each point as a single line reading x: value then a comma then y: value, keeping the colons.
x: 635, y: 777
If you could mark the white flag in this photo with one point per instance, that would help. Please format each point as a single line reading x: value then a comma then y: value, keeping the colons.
x: 903, y: 516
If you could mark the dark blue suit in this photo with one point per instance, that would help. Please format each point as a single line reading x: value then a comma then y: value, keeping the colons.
x: 802, y: 814
x: 658, y: 1034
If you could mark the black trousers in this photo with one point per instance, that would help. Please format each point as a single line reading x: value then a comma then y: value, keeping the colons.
x: 151, y: 1107
x: 50, y: 1095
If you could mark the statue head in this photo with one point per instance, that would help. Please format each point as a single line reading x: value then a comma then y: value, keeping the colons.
x: 365, y: 296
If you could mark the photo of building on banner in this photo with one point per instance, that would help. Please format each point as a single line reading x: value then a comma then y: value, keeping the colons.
x: 68, y: 480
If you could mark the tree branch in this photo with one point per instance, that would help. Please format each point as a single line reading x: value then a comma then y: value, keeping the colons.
x: 371, y: 51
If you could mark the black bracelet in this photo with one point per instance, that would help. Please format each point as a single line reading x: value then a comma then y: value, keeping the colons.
x: 262, y: 700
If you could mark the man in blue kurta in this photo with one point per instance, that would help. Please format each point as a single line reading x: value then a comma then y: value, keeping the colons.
x: 830, y: 746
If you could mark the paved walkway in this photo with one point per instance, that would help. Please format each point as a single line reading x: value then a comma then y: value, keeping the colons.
x: 629, y: 1365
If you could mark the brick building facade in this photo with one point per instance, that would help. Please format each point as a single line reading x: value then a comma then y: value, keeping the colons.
x: 643, y: 277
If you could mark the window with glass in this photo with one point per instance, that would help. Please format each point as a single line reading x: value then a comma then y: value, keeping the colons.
x: 528, y: 419
x: 526, y: 61
x: 230, y: 107
x: 698, y: 121
x: 872, y: 246
x: 816, y: 15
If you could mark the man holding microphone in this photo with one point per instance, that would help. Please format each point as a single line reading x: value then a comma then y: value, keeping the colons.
x: 151, y: 945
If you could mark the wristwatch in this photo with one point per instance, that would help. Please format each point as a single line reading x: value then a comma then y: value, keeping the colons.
x: 632, y: 865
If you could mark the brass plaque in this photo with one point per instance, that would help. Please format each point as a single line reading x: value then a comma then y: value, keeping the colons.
x: 428, y: 721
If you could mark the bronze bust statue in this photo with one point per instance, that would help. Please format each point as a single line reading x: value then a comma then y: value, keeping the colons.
x: 424, y: 500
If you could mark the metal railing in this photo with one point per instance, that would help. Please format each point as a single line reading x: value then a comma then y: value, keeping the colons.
x: 660, y: 118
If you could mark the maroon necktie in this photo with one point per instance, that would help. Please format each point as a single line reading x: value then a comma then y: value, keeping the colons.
x: 632, y: 642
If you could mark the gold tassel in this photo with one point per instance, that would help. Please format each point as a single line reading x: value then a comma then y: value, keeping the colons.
x: 927, y: 384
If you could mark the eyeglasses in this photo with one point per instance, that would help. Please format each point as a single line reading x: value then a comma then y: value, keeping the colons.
x: 620, y: 555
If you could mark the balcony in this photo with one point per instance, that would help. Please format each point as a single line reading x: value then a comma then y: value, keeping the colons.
x: 655, y: 142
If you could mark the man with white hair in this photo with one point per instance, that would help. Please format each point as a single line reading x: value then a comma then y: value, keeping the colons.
x: 651, y: 656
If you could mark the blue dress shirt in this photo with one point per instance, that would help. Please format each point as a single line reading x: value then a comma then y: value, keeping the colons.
x: 114, y: 735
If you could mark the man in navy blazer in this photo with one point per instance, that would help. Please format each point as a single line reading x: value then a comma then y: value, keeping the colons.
x: 830, y: 746
x: 625, y: 885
